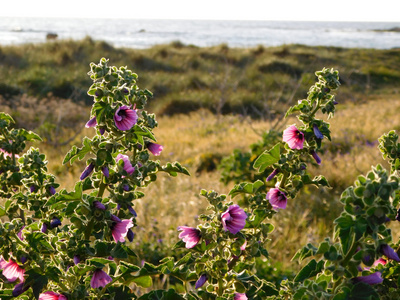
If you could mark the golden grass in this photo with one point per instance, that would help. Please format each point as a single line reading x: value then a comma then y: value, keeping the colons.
x: 187, y: 138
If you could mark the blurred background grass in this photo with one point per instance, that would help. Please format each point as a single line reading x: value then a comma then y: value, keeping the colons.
x: 210, y: 101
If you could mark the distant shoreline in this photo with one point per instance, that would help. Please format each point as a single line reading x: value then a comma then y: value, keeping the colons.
x: 143, y: 34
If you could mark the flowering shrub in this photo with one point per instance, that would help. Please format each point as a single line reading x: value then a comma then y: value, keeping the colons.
x: 73, y: 244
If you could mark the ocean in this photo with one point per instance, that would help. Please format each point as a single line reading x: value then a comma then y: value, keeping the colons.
x: 133, y: 33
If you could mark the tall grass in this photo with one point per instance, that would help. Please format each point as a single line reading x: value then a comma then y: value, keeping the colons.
x: 199, y: 140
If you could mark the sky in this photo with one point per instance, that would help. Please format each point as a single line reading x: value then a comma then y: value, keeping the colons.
x: 293, y: 10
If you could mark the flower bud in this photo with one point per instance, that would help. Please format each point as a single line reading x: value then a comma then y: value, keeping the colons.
x: 52, y: 190
x: 99, y: 205
x: 105, y: 171
x: 19, y: 289
x: 55, y: 222
x: 87, y: 171
x: 44, y: 228
x: 130, y: 235
x: 273, y: 174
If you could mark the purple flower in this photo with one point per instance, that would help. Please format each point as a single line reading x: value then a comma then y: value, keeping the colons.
x: 55, y: 222
x: 374, y: 278
x: 125, y: 118
x: 234, y: 219
x: 239, y: 296
x: 155, y: 148
x: 32, y: 188
x: 77, y: 259
x: 23, y: 259
x: 120, y: 230
x: 317, y: 133
x: 19, y: 234
x: 102, y: 130
x: 91, y: 123
x: 277, y: 198
x: 132, y: 211
x: 44, y: 228
x: 273, y: 174
x: 126, y: 187
x: 87, y: 171
x: 115, y: 218
x: 52, y: 190
x: 389, y: 252
x: 130, y: 235
x: 100, y: 279
x: 127, y: 164
x: 105, y: 171
x: 191, y: 236
x: 294, y: 137
x: 201, y: 281
x: 19, y: 289
x: 315, y: 156
x: 99, y: 205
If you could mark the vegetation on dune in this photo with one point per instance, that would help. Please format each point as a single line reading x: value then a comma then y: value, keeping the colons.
x: 259, y: 82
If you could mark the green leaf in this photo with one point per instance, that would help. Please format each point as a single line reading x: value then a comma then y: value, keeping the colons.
x: 80, y: 153
x: 38, y: 241
x: 2, y: 211
x: 143, y: 281
x: 305, y: 252
x: 64, y: 196
x: 36, y: 281
x: 267, y: 158
x: 173, y: 169
x: 6, y: 117
x: 29, y: 135
x: 162, y: 295
x: 143, y: 132
x: 363, y: 291
x: 309, y: 270
x: 258, y: 216
x: 246, y: 188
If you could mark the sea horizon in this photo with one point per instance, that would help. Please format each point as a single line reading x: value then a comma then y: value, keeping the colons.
x: 145, y: 33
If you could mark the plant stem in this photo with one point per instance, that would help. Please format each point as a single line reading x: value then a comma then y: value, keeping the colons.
x: 102, y: 188
x: 220, y: 287
x: 284, y: 178
x: 314, y: 111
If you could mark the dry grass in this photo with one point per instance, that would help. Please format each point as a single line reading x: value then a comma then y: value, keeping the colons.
x: 187, y: 138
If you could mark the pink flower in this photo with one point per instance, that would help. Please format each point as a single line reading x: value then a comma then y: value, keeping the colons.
x: 277, y: 198
x: 234, y: 219
x: 379, y: 261
x: 127, y: 163
x: 51, y: 296
x: 12, y: 271
x: 239, y: 296
x: 5, y: 153
x: 155, y: 148
x: 100, y: 279
x: 120, y: 229
x: 243, y: 247
x: 191, y: 236
x: 294, y: 137
x: 125, y: 118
